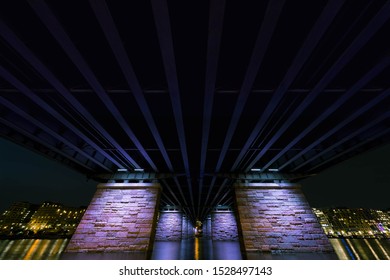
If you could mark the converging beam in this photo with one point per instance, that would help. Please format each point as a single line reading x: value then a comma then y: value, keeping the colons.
x: 161, y: 16
x: 37, y: 123
x: 11, y: 125
x: 377, y: 100
x: 274, y: 9
x: 46, y: 107
x: 59, y: 33
x: 317, y: 32
x: 380, y: 134
x: 268, y: 26
x: 374, y: 25
x: 216, y: 15
x: 337, y: 104
x: 107, y: 24
x: 29, y: 56
x: 338, y: 143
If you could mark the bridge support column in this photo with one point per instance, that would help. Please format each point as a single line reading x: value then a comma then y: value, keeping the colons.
x: 223, y: 224
x: 207, y: 227
x: 170, y: 225
x: 276, y: 218
x: 187, y: 228
x: 120, y: 218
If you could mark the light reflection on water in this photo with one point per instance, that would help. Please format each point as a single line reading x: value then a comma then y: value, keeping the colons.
x: 32, y: 249
x: 190, y: 249
x: 361, y: 249
x: 196, y: 249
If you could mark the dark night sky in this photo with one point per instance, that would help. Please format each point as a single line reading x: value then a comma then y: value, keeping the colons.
x: 363, y: 181
x: 28, y: 176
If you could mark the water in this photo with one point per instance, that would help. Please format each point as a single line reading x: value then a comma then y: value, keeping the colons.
x: 196, y: 249
x: 361, y: 249
x: 189, y: 249
x: 32, y: 249
x: 192, y: 249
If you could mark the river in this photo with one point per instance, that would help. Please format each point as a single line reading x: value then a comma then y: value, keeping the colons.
x: 194, y: 249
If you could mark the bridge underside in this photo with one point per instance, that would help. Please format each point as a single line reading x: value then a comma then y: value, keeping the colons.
x: 201, y: 93
x: 267, y: 218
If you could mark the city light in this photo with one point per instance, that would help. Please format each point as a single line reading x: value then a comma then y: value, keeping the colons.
x: 354, y: 223
x: 27, y: 220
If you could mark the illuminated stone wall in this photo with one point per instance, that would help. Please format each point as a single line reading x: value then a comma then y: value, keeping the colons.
x: 120, y: 217
x: 207, y: 228
x: 169, y: 226
x: 187, y: 228
x: 278, y: 219
x: 223, y: 225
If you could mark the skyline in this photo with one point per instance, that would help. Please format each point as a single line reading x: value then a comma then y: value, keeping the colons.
x: 335, y: 187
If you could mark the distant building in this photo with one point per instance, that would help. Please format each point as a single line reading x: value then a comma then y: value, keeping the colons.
x: 17, y: 216
x: 55, y: 218
x: 383, y: 223
x: 26, y: 219
x: 354, y: 222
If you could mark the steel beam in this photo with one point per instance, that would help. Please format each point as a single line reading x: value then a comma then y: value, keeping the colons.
x: 29, y: 56
x: 171, y: 191
x: 340, y: 40
x: 260, y: 176
x: 316, y: 33
x: 217, y: 9
x: 30, y: 118
x: 376, y: 70
x: 107, y: 24
x: 374, y: 25
x: 264, y: 36
x: 216, y: 91
x: 255, y: 176
x: 161, y: 16
x: 382, y: 133
x: 49, y: 146
x: 338, y: 143
x: 59, y: 33
x: 135, y: 176
x: 377, y: 100
x: 220, y: 196
x: 45, y: 106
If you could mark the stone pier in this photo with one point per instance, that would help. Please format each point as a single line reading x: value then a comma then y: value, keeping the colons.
x: 276, y: 218
x: 120, y: 218
x: 207, y: 227
x: 173, y: 225
x: 169, y: 225
x: 223, y: 224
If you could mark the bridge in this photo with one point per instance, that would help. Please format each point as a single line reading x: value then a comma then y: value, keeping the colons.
x: 212, y: 108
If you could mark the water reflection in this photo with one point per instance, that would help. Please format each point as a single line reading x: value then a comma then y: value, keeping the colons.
x: 190, y: 249
x: 361, y: 249
x: 196, y: 249
x: 32, y: 249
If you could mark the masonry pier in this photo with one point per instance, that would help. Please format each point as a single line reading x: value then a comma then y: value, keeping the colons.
x: 121, y: 218
x: 275, y: 218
